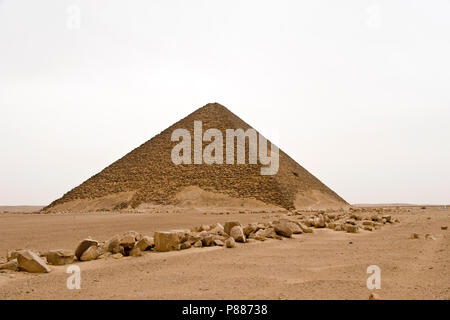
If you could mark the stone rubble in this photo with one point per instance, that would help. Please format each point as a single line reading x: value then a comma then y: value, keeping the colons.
x: 135, y: 244
x: 29, y: 261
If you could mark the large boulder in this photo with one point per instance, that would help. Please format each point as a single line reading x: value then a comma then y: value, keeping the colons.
x: 31, y: 262
x: 60, y: 257
x: 237, y: 234
x: 229, y: 225
x: 166, y: 241
x: 113, y: 245
x: 319, y: 222
x: 83, y: 246
x: 282, y: 228
x: 249, y: 229
x: 91, y: 253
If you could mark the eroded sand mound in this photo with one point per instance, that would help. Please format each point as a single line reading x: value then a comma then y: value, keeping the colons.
x: 148, y: 175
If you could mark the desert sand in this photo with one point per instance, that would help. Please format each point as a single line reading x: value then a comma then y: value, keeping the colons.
x: 325, y: 264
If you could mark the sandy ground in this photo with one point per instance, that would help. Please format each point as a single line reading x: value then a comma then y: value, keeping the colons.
x: 323, y: 265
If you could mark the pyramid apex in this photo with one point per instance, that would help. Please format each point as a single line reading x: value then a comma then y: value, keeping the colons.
x: 213, y: 105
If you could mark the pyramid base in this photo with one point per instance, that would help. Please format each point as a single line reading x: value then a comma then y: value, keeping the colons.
x: 317, y: 200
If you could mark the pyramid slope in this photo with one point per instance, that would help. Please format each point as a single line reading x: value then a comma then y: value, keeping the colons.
x: 149, y: 174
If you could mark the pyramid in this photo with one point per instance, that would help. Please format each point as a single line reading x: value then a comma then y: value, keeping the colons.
x: 148, y: 175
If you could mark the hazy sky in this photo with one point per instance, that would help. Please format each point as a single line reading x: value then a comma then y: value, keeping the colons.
x: 358, y: 92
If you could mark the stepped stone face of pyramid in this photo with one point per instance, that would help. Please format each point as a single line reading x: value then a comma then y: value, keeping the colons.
x: 148, y: 175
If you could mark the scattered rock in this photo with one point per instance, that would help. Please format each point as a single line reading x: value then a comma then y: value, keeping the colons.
x: 368, y: 228
x: 249, y: 229
x: 91, y: 253
x: 444, y: 227
x: 207, y: 240
x: 113, y: 245
x: 304, y: 228
x: 193, y: 238
x: 136, y: 235
x: 60, y: 257
x: 10, y: 265
x: 185, y: 245
x: 259, y: 238
x: 183, y: 235
x: 12, y: 254
x: 31, y: 262
x: 283, y: 229
x: 230, y: 243
x: 309, y: 222
x: 237, y: 234
x: 198, y: 244
x: 218, y: 242
x: 117, y: 255
x: 166, y: 241
x: 229, y: 225
x: 269, y: 233
x: 294, y: 226
x: 83, y: 246
x: 127, y: 241
x: 376, y: 218
x: 217, y: 229
x: 415, y: 236
x: 351, y: 228
x: 146, y: 243
x: 319, y: 222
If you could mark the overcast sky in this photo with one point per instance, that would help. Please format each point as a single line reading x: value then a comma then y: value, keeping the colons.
x: 357, y: 92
